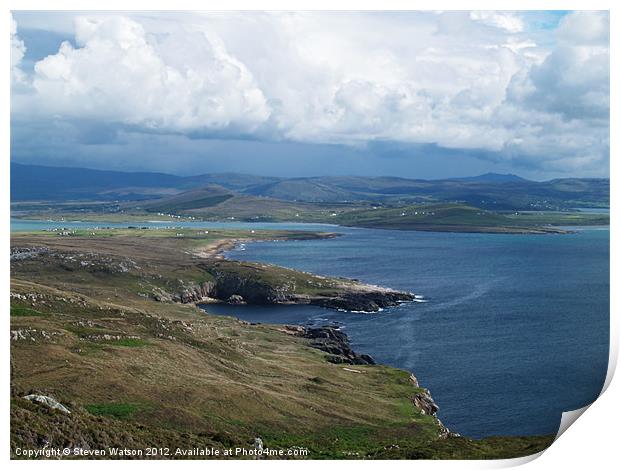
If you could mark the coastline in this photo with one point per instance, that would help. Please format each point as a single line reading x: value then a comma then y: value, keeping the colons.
x: 219, y: 249
x: 551, y: 230
x: 328, y: 338
x: 236, y: 282
x: 332, y: 340
x: 113, y: 321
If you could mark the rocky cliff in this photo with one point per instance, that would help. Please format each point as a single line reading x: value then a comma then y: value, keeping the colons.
x: 330, y: 339
x: 254, y: 283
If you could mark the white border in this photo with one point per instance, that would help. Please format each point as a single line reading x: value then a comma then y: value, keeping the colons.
x: 592, y: 442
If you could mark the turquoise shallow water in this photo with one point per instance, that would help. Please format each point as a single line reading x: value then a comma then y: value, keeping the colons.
x: 515, y: 329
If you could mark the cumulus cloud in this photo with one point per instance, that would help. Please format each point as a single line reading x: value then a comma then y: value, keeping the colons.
x: 18, y: 49
x: 175, y: 82
x: 561, y: 105
x: 460, y: 80
x: 508, y: 21
x: 574, y: 78
x: 585, y: 27
x: 420, y: 78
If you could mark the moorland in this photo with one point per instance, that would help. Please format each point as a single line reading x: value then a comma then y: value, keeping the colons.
x: 106, y: 323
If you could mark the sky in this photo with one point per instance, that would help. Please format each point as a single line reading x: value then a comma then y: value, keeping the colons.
x: 413, y: 94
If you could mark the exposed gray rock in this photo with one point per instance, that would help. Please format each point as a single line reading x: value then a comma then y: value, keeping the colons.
x: 333, y: 341
x: 161, y: 295
x: 26, y: 253
x: 258, y: 445
x: 48, y: 401
x: 235, y: 299
x: 107, y: 337
x: 425, y: 403
x: 34, y: 335
x: 195, y: 293
x: 358, y: 300
x: 70, y: 261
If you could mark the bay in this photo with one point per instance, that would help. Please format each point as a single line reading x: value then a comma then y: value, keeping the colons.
x: 515, y: 329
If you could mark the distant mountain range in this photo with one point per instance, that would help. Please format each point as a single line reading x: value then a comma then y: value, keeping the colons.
x: 493, y: 178
x: 491, y: 190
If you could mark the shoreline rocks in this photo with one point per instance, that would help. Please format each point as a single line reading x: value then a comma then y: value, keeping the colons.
x: 235, y: 299
x: 426, y: 404
x: 332, y: 340
x: 364, y: 301
x: 423, y: 401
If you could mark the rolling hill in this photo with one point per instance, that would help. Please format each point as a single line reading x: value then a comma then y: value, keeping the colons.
x: 189, y: 200
x: 489, y: 191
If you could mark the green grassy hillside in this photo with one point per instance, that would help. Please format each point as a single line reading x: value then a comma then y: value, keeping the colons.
x: 462, y: 218
x: 136, y: 372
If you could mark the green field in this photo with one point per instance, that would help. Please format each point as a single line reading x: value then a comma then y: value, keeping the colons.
x: 461, y: 218
x: 427, y: 217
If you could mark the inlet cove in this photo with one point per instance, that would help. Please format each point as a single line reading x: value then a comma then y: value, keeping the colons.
x: 498, y: 324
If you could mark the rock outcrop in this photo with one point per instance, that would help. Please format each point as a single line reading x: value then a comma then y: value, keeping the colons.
x: 235, y: 299
x: 48, y: 401
x: 333, y: 341
x: 363, y: 298
x: 423, y: 401
x: 194, y: 293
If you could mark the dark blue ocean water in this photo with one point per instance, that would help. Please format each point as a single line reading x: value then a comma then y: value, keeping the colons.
x: 515, y: 330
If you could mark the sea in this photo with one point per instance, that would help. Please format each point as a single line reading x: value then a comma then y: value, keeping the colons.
x: 512, y: 330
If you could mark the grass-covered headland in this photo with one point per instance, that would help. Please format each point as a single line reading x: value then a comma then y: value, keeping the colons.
x: 105, y: 323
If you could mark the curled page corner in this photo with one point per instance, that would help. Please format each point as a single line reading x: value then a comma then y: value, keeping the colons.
x: 518, y: 461
x: 568, y: 418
